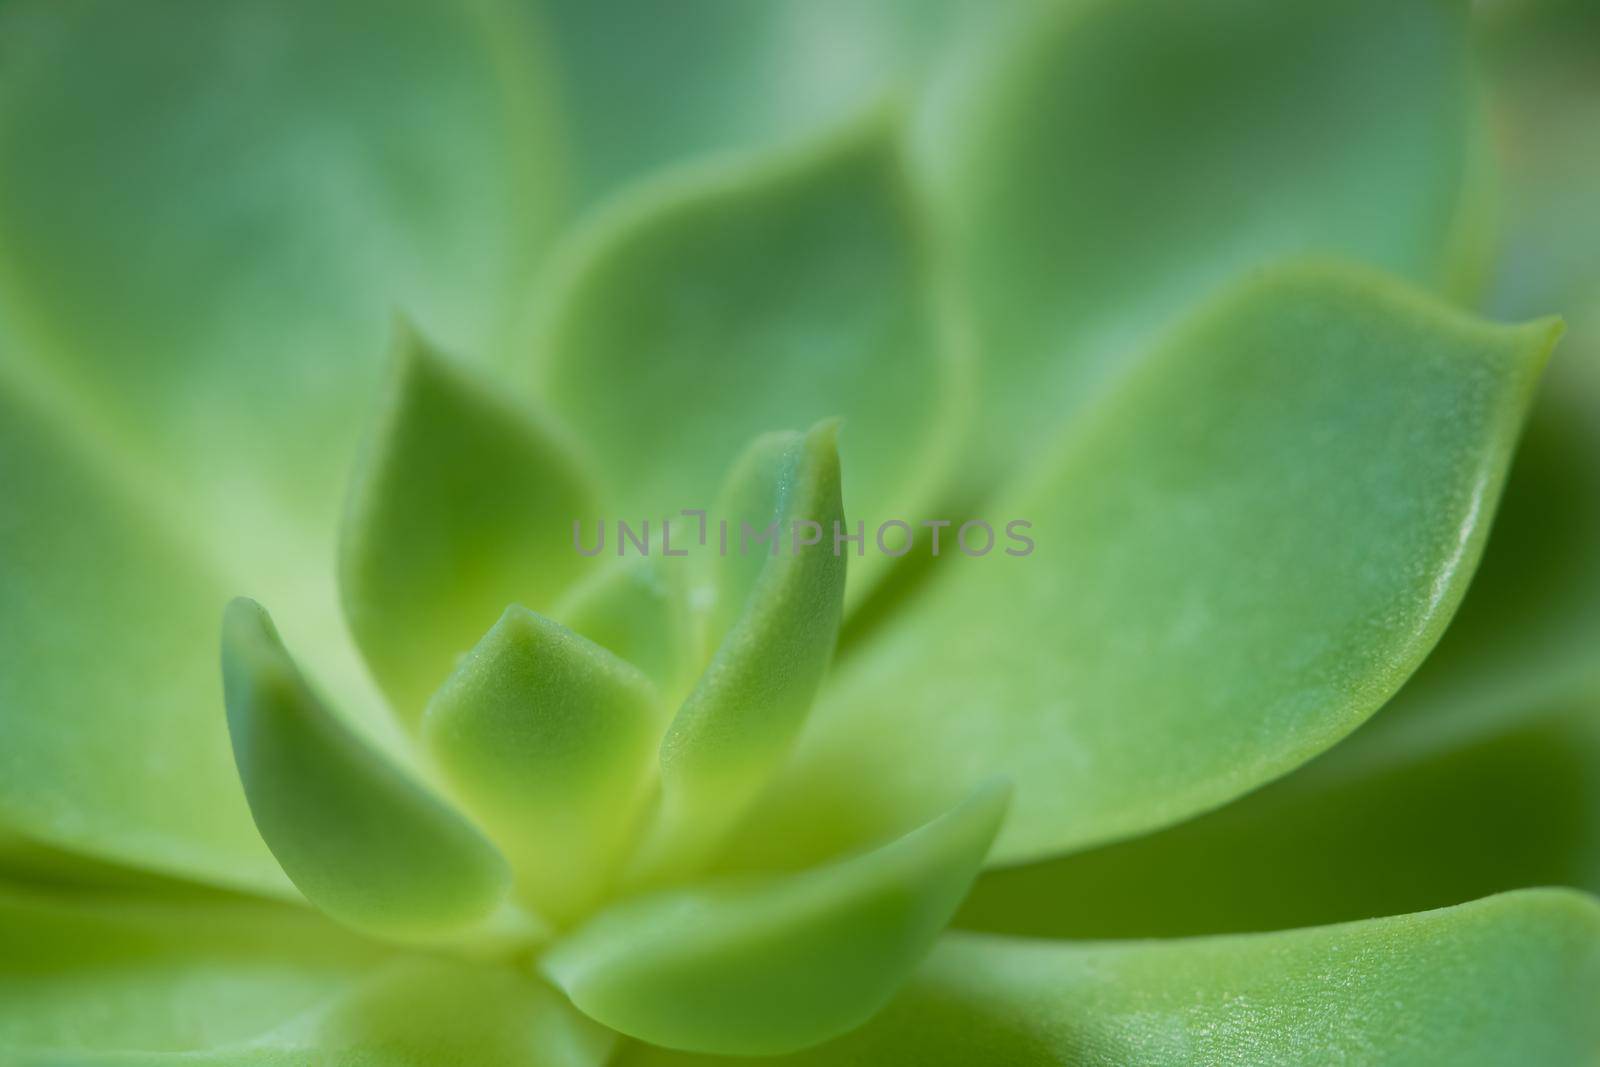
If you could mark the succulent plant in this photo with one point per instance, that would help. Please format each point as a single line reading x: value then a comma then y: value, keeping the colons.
x: 454, y: 340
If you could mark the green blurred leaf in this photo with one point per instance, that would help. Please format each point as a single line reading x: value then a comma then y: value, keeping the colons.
x: 1239, y: 558
x: 550, y: 740
x: 236, y: 984
x: 773, y: 621
x: 1111, y: 164
x: 721, y: 305
x: 271, y: 179
x: 462, y: 504
x: 1506, y: 980
x: 86, y: 972
x: 642, y: 92
x: 110, y: 739
x: 361, y: 840
x: 771, y: 965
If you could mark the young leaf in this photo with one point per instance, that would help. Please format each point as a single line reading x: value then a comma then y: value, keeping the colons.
x: 362, y: 841
x: 462, y: 505
x: 549, y: 740
x: 760, y: 298
x: 1509, y: 979
x: 773, y: 622
x: 637, y: 609
x: 1113, y: 163
x: 1239, y: 559
x: 773, y: 965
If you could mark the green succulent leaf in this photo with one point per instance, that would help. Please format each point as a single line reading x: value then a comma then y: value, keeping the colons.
x: 82, y: 972
x: 643, y: 92
x: 1113, y: 163
x: 1240, y: 558
x: 771, y: 965
x: 110, y: 740
x: 289, y: 174
x: 550, y: 740
x: 773, y: 621
x: 1505, y: 980
x: 463, y: 504
x: 637, y: 608
x: 1480, y: 776
x: 765, y: 296
x: 218, y: 982
x: 360, y: 839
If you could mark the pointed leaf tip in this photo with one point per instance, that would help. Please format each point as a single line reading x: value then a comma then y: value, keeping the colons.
x: 549, y: 739
x: 462, y: 504
x: 361, y: 840
x: 773, y: 623
x: 767, y: 966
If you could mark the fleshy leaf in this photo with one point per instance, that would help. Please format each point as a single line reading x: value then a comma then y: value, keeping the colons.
x: 361, y: 840
x: 1239, y: 559
x: 773, y: 621
x: 227, y: 983
x: 84, y: 971
x: 770, y: 965
x: 645, y: 93
x: 1510, y: 979
x: 110, y: 741
x: 1114, y: 163
x: 1480, y: 776
x: 759, y: 298
x: 299, y: 169
x: 463, y: 504
x: 549, y: 740
x: 636, y: 608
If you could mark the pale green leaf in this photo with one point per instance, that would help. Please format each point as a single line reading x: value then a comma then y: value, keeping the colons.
x: 81, y: 971
x: 1482, y: 775
x: 1112, y: 162
x: 462, y: 504
x: 643, y: 92
x: 770, y: 965
x: 550, y: 740
x: 773, y: 621
x: 210, y: 210
x: 361, y: 840
x: 726, y: 304
x: 1510, y: 979
x: 1239, y: 558
x: 637, y: 608
x: 112, y: 741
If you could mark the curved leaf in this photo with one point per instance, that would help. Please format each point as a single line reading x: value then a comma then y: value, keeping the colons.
x: 83, y: 972
x: 726, y: 305
x: 110, y: 741
x: 1114, y: 162
x: 773, y: 621
x: 1480, y: 776
x: 549, y: 739
x: 210, y: 211
x: 643, y: 92
x: 638, y: 609
x: 1239, y: 559
x: 362, y: 841
x: 462, y: 505
x: 767, y: 966
x: 1510, y: 979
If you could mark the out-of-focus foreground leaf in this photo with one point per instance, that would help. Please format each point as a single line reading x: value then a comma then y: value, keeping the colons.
x: 1509, y: 979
